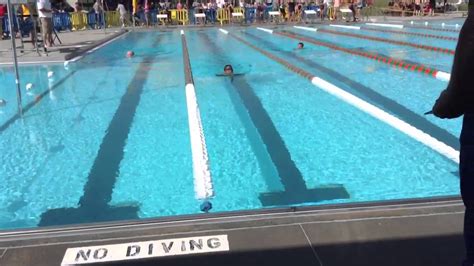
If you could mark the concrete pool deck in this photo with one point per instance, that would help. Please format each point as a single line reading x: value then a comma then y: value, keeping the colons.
x: 416, y: 233
x: 73, y: 43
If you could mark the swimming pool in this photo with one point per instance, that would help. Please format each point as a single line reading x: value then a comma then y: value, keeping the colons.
x: 108, y: 138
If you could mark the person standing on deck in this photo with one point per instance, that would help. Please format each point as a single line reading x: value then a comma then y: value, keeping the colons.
x: 45, y: 14
x: 457, y: 100
x: 123, y: 14
x: 147, y: 9
x: 97, y: 9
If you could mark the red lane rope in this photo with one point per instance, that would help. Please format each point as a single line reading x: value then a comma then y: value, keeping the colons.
x: 419, y: 46
x: 379, y: 58
x: 415, y: 34
x: 431, y: 28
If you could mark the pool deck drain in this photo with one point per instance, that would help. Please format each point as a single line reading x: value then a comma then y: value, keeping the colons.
x: 417, y: 233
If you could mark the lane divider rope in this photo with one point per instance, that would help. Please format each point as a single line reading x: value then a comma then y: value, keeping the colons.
x: 378, y: 39
x: 364, y: 106
x: 306, y: 28
x: 414, y: 34
x: 203, y: 185
x: 382, y: 59
x: 266, y: 30
x: 432, y: 28
x: 398, y: 26
x: 345, y: 26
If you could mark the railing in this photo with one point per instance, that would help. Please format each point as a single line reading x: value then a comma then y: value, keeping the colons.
x: 81, y: 20
x: 223, y: 15
x: 78, y: 20
x: 112, y: 18
x: 61, y: 21
x: 182, y: 16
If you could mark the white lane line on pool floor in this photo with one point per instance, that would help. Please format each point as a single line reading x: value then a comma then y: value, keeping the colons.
x: 398, y: 26
x: 202, y: 174
x: 266, y: 30
x: 224, y: 31
x: 345, y: 27
x: 389, y: 119
x: 306, y: 28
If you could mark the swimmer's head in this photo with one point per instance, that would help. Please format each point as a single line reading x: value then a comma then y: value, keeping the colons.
x: 3, y: 102
x: 228, y: 69
x: 130, y: 54
x: 300, y: 45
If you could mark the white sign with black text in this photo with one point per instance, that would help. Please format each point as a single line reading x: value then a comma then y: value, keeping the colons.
x: 147, y: 249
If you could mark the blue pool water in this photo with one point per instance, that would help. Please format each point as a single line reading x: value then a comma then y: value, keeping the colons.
x: 108, y: 138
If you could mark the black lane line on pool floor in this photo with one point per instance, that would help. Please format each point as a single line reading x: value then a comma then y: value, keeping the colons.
x: 372, y: 96
x: 188, y: 74
x: 295, y: 187
x: 93, y: 205
x: 30, y: 105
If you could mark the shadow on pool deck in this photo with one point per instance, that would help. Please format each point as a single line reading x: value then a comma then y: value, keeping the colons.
x: 432, y: 251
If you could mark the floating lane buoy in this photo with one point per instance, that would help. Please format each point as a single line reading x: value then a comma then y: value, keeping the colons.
x: 206, y: 206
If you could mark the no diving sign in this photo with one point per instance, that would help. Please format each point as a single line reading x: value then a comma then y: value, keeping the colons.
x: 148, y: 249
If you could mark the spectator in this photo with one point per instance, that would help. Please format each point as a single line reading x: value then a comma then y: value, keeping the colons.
x: 3, y: 15
x: 352, y: 7
x: 45, y: 13
x: 77, y: 7
x: 291, y: 9
x: 147, y: 10
x: 337, y: 5
x: 432, y: 7
x: 123, y: 14
x: 98, y: 10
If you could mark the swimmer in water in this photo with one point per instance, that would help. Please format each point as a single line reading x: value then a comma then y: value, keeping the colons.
x: 3, y: 102
x: 229, y: 72
x: 300, y: 45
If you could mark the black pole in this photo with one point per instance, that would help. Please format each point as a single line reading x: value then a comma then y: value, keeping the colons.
x: 15, y: 61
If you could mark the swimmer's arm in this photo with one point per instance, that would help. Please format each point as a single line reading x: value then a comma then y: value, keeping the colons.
x: 233, y: 75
